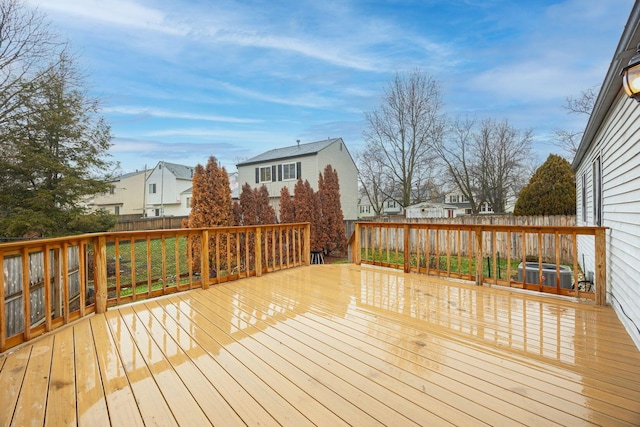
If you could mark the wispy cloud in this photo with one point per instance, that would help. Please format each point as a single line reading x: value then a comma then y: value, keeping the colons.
x: 155, y: 112
x: 126, y: 13
x: 297, y: 100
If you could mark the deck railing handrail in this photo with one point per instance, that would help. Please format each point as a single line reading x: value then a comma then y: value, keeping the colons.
x: 47, y: 283
x: 424, y: 247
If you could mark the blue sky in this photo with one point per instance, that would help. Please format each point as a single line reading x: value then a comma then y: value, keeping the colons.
x: 181, y: 80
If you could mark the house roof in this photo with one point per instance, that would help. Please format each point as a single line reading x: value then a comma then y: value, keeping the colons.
x: 612, y: 84
x: 180, y: 171
x: 293, y: 151
x: 432, y: 205
x: 127, y: 175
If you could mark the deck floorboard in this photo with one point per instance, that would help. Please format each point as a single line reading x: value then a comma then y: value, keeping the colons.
x: 331, y: 345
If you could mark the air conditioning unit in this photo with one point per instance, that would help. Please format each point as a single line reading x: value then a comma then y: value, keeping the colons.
x: 549, y: 273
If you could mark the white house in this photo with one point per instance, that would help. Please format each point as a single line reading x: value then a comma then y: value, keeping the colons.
x: 283, y: 166
x: 126, y: 195
x: 430, y: 210
x: 463, y: 207
x: 166, y: 185
x: 607, y: 166
x: 389, y: 208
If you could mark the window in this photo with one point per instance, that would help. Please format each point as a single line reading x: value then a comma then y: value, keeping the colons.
x: 116, y: 210
x: 265, y: 174
x: 188, y: 202
x: 453, y: 199
x: 583, y: 203
x: 365, y: 209
x: 391, y: 204
x: 468, y: 211
x: 157, y: 212
x: 289, y: 171
x: 152, y: 188
x: 597, y: 191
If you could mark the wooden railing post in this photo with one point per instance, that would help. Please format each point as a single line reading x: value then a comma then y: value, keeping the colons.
x: 258, y: 251
x: 407, y: 249
x: 601, y: 266
x: 356, y: 250
x: 306, y: 253
x: 204, y: 259
x: 100, y: 272
x: 3, y: 319
x: 479, y: 274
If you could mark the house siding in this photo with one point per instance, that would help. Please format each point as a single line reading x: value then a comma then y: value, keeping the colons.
x: 128, y: 195
x: 310, y: 168
x: 167, y: 197
x: 617, y: 142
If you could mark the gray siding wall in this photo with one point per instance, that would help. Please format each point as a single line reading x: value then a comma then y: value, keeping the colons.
x: 335, y: 154
x: 618, y: 145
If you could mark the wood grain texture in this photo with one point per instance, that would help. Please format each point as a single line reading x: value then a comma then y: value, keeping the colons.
x: 331, y: 345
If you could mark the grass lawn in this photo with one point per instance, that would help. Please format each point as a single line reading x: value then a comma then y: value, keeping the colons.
x: 465, y: 266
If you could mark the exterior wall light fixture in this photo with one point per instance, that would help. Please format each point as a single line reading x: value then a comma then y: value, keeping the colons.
x: 631, y: 77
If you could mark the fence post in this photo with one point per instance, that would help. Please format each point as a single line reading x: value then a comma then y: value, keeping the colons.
x: 407, y: 249
x: 258, y: 251
x: 601, y: 266
x: 479, y: 272
x: 100, y: 271
x: 204, y: 259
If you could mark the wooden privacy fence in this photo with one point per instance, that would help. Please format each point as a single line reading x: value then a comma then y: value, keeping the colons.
x: 48, y: 283
x: 548, y: 249
x: 541, y: 258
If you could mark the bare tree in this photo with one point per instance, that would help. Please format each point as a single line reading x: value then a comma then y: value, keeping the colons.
x: 490, y: 164
x: 373, y: 182
x: 27, y: 48
x: 583, y: 105
x: 460, y: 160
x: 504, y: 152
x: 401, y: 134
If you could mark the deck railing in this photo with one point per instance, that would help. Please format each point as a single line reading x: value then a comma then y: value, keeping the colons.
x: 48, y: 283
x: 541, y: 258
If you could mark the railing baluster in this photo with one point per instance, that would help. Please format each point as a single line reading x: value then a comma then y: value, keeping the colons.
x: 26, y: 297
x: 47, y: 289
x: 3, y: 315
x: 601, y: 266
x: 100, y: 272
x: 134, y: 288
x: 65, y: 283
x: 509, y: 257
x: 576, y: 280
x: 494, y: 249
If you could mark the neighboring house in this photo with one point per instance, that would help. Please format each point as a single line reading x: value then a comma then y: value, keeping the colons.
x: 283, y: 166
x: 463, y: 207
x: 430, y: 210
x: 165, y: 190
x: 608, y: 183
x: 389, y: 208
x: 365, y: 210
x: 126, y: 195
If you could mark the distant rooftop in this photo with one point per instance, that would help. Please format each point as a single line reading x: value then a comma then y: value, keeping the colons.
x: 180, y: 171
x: 298, y: 150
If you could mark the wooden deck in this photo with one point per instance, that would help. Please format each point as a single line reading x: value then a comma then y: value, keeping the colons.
x: 331, y: 345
